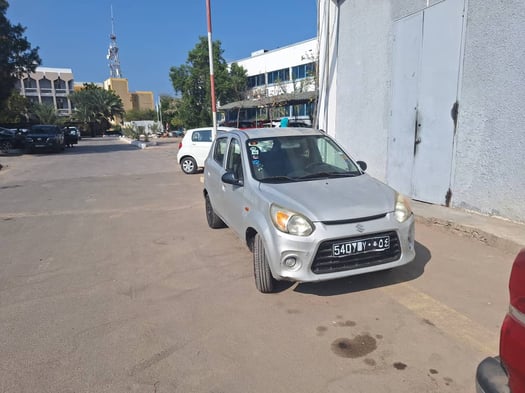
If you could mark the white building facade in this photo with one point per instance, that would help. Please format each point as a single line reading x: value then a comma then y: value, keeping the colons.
x: 429, y: 94
x: 288, y: 72
x: 50, y: 86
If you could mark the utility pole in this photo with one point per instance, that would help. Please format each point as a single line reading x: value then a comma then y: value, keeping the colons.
x: 212, y: 78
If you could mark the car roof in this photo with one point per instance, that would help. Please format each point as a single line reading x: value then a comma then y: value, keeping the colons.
x: 209, y: 128
x: 253, y: 133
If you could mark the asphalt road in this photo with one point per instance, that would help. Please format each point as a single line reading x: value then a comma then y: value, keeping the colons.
x: 111, y: 281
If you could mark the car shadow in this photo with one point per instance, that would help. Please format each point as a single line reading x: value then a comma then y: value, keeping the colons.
x: 368, y: 281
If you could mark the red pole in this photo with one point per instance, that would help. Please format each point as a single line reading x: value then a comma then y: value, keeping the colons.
x: 212, y: 78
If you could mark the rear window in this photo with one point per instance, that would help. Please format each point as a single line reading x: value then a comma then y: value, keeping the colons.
x: 201, y: 136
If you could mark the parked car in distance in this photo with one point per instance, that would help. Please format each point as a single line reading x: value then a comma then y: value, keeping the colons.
x: 194, y: 148
x: 176, y: 133
x: 11, y: 139
x: 506, y: 373
x: 44, y: 137
x: 305, y: 209
x: 71, y: 136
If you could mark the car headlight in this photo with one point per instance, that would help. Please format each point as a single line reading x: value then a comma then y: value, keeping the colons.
x: 290, y: 222
x: 402, y: 209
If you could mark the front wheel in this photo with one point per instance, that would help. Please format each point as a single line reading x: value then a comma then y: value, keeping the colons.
x: 264, y: 280
x: 213, y: 219
x: 188, y: 165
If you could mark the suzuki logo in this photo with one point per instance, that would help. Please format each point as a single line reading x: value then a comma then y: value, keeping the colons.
x: 360, y: 228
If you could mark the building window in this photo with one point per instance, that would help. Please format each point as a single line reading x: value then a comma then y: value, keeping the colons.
x: 30, y: 83
x: 60, y: 86
x: 302, y: 110
x: 303, y: 71
x: 45, y: 86
x: 48, y: 101
x: 279, y: 76
x: 256, y: 80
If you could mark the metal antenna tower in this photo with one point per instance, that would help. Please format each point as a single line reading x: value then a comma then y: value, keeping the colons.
x: 112, y: 56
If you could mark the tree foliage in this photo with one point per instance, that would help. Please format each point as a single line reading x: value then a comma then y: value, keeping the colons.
x: 16, y: 109
x: 45, y: 113
x: 137, y: 114
x: 16, y: 55
x: 93, y: 104
x: 192, y: 80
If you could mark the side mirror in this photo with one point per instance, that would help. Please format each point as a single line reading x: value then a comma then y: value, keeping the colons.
x: 230, y: 178
x: 362, y: 165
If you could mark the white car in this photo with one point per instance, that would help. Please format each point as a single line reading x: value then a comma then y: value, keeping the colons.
x: 194, y: 148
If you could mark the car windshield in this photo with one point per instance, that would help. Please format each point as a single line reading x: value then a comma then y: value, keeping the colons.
x: 44, y: 130
x: 298, y: 158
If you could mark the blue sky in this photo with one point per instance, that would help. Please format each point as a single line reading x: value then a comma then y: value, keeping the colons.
x: 155, y: 35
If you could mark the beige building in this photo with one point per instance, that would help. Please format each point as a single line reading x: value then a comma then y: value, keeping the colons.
x: 50, y: 86
x: 140, y: 100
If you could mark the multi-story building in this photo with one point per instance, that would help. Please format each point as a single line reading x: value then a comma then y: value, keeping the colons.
x: 281, y: 83
x: 49, y: 86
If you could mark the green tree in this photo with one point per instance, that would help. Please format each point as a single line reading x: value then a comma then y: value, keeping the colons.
x: 94, y: 105
x: 45, y: 113
x: 16, y: 109
x: 192, y: 80
x: 136, y: 114
x: 16, y: 55
x: 169, y: 112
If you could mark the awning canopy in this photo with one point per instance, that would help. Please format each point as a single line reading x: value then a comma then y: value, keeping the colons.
x: 273, y: 101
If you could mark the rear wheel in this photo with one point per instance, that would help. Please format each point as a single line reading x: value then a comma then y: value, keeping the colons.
x: 264, y: 280
x: 188, y: 165
x: 213, y: 219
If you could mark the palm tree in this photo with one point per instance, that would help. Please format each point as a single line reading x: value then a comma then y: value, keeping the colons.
x: 45, y: 113
x: 96, y: 105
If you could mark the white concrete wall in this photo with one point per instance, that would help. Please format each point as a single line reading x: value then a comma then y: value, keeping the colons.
x: 489, y: 174
x: 363, y: 77
x: 488, y: 165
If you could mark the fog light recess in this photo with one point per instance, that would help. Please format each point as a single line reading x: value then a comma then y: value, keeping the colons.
x: 290, y: 262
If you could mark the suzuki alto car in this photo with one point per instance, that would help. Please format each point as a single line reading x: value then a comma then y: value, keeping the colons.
x: 506, y: 373
x: 306, y: 210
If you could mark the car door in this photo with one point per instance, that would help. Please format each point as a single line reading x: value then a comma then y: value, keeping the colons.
x: 201, y: 143
x: 214, y: 169
x: 233, y: 195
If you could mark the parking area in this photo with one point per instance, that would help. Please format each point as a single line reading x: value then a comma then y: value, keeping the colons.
x: 111, y: 281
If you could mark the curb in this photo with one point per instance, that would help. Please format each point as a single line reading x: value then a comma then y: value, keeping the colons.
x: 488, y: 238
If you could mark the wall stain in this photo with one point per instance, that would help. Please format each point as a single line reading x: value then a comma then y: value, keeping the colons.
x: 293, y: 311
x: 321, y: 330
x: 345, y: 323
x: 428, y: 322
x: 448, y: 380
x: 433, y: 371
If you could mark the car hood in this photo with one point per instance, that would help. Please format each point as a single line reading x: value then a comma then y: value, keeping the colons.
x: 333, y: 199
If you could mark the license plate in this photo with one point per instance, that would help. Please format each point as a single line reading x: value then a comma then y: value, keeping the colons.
x: 40, y: 145
x: 371, y: 244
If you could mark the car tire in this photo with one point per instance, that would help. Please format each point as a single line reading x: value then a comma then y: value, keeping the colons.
x: 188, y: 165
x: 264, y: 280
x: 214, y: 221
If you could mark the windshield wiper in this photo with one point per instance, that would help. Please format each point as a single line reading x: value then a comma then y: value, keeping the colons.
x: 277, y: 179
x: 328, y: 174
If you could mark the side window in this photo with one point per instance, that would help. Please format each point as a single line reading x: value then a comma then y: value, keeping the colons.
x: 220, y: 150
x: 332, y: 155
x: 201, y: 136
x: 234, y: 161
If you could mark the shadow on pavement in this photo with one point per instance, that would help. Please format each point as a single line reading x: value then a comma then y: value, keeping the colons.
x: 368, y: 281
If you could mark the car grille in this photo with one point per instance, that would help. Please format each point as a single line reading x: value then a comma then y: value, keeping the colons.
x: 325, y: 263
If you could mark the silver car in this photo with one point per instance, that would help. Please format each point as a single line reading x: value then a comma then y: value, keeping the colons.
x: 305, y: 209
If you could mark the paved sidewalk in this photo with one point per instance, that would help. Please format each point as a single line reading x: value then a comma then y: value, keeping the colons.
x: 494, y: 231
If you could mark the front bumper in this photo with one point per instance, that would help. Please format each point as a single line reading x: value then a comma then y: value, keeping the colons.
x: 491, y: 377
x: 306, y: 251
